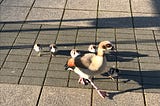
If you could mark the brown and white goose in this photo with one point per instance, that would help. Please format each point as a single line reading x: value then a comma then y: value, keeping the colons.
x: 90, y: 64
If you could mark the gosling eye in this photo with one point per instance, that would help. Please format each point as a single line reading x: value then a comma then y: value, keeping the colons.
x: 104, y: 47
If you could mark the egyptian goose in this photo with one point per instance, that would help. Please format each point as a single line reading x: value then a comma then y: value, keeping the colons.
x: 90, y: 64
x: 53, y: 49
x: 38, y: 49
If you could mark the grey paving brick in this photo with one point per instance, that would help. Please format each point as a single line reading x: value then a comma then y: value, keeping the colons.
x: 58, y: 74
x: 13, y: 14
x: 18, y: 95
x: 149, y: 60
x: 112, y: 20
x: 118, y: 98
x: 56, y: 82
x: 146, y: 21
x: 17, y: 2
x: 106, y: 85
x: 151, y: 88
x: 34, y: 59
x: 73, y: 83
x: 14, y: 65
x: 34, y: 73
x: 58, y: 67
x: 147, y: 47
x: 50, y: 3
x: 26, y: 35
x: 20, y: 51
x: 149, y: 52
x: 150, y: 66
x: 79, y: 18
x: 15, y: 27
x: 147, y: 6
x: 31, y: 81
x: 37, y: 66
x: 64, y: 96
x: 81, y: 4
x: 151, y: 99
x: 9, y: 79
x: 45, y: 16
x: 10, y: 72
x: 58, y: 60
x: 24, y: 41
x: 125, y: 36
x: 16, y: 58
x: 125, y: 31
x: 116, y: 5
x: 129, y: 65
x: 132, y: 87
x: 50, y: 37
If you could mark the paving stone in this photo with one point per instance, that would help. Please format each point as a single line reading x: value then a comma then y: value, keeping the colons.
x: 24, y: 41
x: 146, y: 47
x: 50, y: 37
x: 50, y: 3
x: 73, y: 83
x: 131, y: 87
x: 141, y: 32
x: 146, y: 21
x: 58, y: 67
x: 150, y: 66
x: 151, y: 88
x: 16, y: 58
x: 14, y: 27
x: 125, y: 36
x: 149, y: 52
x: 151, y: 81
x: 112, y: 20
x: 10, y: 72
x: 122, y: 45
x: 9, y: 79
x: 34, y: 73
x: 58, y: 74
x: 17, y: 2
x: 21, y: 51
x: 13, y: 14
x: 30, y: 28
x: 34, y: 59
x: 25, y: 35
x: 149, y: 60
x: 58, y: 60
x: 148, y: 6
x: 151, y: 99
x: 118, y: 98
x: 14, y: 65
x: 81, y: 4
x: 150, y: 73
x: 79, y: 18
x: 18, y: 95
x: 45, y: 16
x: 64, y: 96
x: 116, y: 5
x: 128, y: 65
x: 56, y: 82
x: 31, y: 81
x: 37, y: 66
x: 106, y: 85
x: 125, y: 31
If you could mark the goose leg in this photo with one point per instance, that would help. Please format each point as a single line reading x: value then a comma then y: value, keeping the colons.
x: 83, y: 81
x: 101, y: 93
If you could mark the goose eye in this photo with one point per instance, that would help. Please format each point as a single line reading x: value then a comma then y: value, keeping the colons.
x: 108, y: 45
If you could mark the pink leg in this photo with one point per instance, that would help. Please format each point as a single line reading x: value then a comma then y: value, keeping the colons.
x: 101, y: 93
x: 83, y: 81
